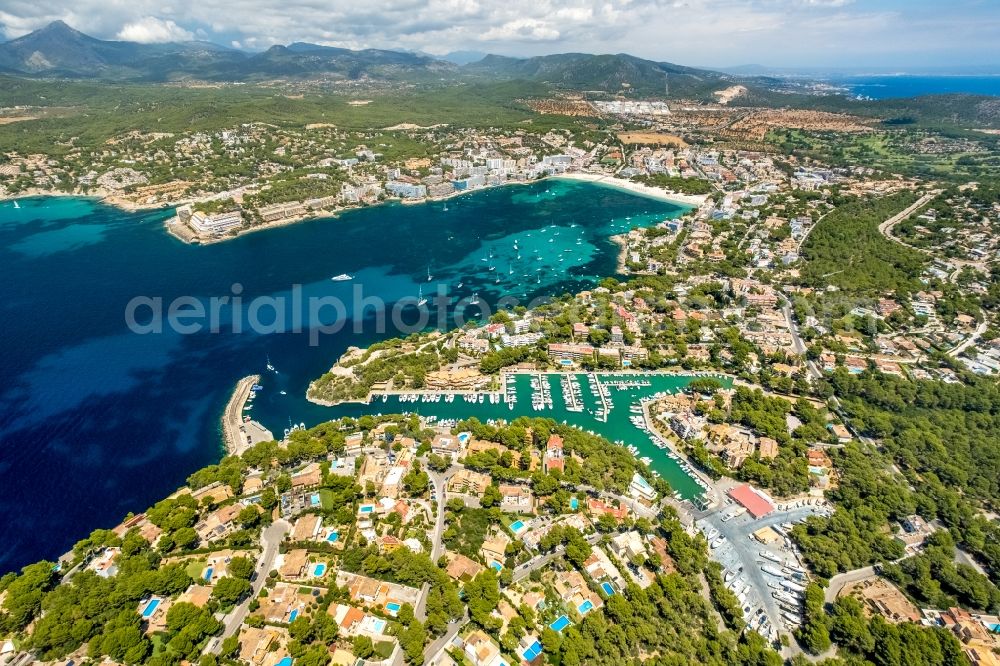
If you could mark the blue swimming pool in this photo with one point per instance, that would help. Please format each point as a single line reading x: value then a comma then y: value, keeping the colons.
x: 366, y: 508
x: 565, y: 362
x: 516, y: 526
x: 608, y: 588
x: 208, y: 573
x: 287, y: 661
x: 574, y: 503
x: 586, y: 607
x: 496, y: 566
x: 333, y: 537
x: 393, y: 607
x: 150, y: 608
x: 314, y: 499
x: 463, y: 437
x: 379, y: 625
x: 294, y: 614
x: 532, y: 651
x: 560, y: 623
x: 319, y: 569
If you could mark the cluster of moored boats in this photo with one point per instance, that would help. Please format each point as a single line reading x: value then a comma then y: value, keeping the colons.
x: 638, y: 419
x: 572, y: 389
x: 293, y: 428
x: 493, y: 398
x: 541, y: 393
x: 254, y: 390
x: 601, y: 392
x: 510, y: 395
x: 572, y: 393
x: 788, y: 585
x: 785, y: 581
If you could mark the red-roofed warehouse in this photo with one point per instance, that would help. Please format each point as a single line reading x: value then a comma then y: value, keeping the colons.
x: 753, y: 502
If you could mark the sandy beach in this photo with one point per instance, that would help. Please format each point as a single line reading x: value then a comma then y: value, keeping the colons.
x: 621, y: 240
x: 185, y: 234
x: 637, y: 188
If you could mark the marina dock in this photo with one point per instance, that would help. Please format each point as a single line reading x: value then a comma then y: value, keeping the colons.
x: 610, y: 404
x: 239, y: 435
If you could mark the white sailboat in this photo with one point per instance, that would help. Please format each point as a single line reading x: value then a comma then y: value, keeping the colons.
x: 16, y: 205
x: 269, y: 366
x: 421, y: 301
x: 429, y: 276
x: 475, y: 299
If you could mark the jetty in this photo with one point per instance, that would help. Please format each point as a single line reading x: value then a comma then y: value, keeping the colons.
x: 600, y: 391
x: 239, y: 435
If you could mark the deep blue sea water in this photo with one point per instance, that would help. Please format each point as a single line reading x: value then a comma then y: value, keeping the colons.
x: 96, y: 420
x: 882, y: 87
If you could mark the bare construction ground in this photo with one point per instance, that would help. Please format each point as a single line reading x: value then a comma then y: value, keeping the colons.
x: 652, y: 139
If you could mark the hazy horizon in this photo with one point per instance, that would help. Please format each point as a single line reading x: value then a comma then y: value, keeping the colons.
x: 795, y: 35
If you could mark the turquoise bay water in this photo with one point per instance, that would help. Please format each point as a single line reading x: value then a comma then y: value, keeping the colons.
x: 96, y: 420
x: 624, y: 389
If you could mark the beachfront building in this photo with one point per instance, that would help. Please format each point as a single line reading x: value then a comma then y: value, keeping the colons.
x: 219, y: 223
x: 405, y: 190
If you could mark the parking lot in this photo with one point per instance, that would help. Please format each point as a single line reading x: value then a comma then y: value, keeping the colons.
x: 755, y: 572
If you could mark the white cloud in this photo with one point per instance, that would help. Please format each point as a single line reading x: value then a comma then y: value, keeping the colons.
x: 531, y: 30
x: 696, y: 32
x: 152, y: 30
x: 827, y: 3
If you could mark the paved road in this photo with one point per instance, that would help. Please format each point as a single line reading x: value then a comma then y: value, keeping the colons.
x: 433, y: 651
x: 22, y: 659
x: 438, y: 482
x: 961, y: 347
x: 742, y: 550
x: 797, y: 344
x: 522, y: 571
x: 270, y: 538
x: 962, y: 557
x: 886, y: 227
x: 838, y: 582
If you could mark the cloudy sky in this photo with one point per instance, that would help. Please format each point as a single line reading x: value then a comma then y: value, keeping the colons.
x: 788, y: 33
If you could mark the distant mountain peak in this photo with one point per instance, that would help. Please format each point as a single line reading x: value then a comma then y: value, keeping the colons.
x: 58, y: 24
x: 59, y: 50
x: 57, y: 28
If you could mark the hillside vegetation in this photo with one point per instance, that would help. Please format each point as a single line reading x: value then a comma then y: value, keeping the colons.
x: 846, y: 250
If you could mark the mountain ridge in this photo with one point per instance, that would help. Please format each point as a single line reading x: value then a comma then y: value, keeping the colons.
x: 59, y: 51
